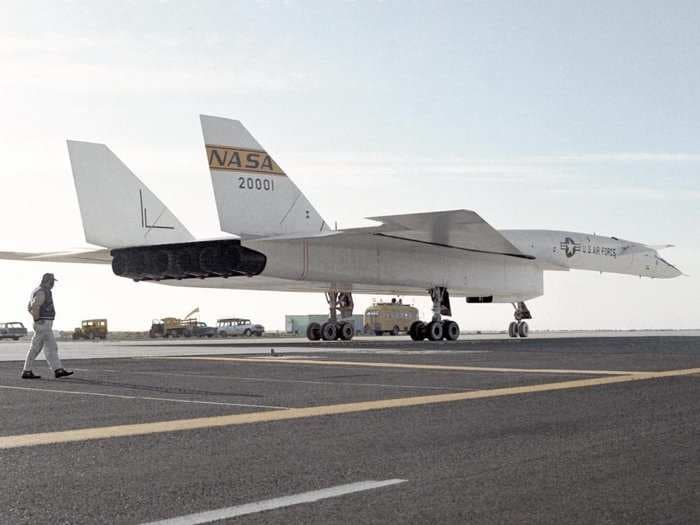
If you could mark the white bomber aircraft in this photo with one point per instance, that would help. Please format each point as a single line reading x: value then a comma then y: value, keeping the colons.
x: 283, y: 243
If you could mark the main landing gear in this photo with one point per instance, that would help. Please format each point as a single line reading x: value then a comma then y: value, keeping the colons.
x: 519, y: 328
x: 438, y: 328
x: 338, y: 303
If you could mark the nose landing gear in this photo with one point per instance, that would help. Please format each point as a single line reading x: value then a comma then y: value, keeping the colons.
x: 519, y: 328
x: 436, y: 329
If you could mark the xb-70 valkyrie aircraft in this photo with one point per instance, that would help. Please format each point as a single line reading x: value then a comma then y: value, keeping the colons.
x: 283, y: 244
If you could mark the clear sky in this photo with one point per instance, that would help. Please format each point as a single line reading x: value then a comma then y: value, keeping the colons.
x: 564, y: 115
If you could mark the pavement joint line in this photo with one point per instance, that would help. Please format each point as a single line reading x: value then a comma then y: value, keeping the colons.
x: 140, y: 429
x: 144, y: 398
x: 283, y: 357
x: 277, y: 503
x: 416, y: 366
x: 275, y: 380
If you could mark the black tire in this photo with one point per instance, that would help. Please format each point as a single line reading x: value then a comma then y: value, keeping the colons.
x: 417, y: 330
x: 258, y: 334
x: 187, y: 334
x: 247, y: 332
x: 329, y: 331
x: 395, y: 330
x: 378, y: 332
x: 523, y: 329
x: 513, y: 329
x: 450, y: 330
x: 433, y: 330
x: 313, y: 332
x: 15, y: 338
x: 347, y: 331
x: 223, y: 334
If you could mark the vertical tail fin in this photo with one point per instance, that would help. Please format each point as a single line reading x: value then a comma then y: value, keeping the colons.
x: 254, y: 196
x: 117, y: 209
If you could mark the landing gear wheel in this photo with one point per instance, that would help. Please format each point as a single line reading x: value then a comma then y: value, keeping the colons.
x: 523, y: 329
x: 329, y: 331
x: 313, y: 332
x: 347, y: 331
x: 434, y: 330
x: 513, y: 329
x: 450, y: 330
x: 417, y: 330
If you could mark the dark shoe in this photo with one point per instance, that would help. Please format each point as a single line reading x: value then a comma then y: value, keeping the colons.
x: 28, y: 374
x: 62, y: 372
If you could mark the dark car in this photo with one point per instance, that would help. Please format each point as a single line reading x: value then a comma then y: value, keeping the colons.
x: 199, y: 329
x: 13, y: 330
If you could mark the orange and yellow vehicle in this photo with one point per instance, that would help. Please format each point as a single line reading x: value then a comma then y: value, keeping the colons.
x: 390, y: 318
x: 91, y: 329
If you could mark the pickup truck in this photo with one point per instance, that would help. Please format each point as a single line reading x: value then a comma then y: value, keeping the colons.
x: 13, y: 330
x: 199, y: 329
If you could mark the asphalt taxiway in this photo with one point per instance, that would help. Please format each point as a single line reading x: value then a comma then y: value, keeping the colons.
x: 575, y: 430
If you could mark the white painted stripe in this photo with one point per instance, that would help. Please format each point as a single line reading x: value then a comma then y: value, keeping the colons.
x: 277, y: 503
x: 119, y: 396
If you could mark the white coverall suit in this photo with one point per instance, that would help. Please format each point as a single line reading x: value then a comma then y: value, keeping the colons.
x: 43, y: 337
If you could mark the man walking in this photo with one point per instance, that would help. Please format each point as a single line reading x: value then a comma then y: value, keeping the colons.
x: 43, y: 312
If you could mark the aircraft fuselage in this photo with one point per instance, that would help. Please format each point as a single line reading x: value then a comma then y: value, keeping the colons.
x: 563, y: 250
x: 403, y: 266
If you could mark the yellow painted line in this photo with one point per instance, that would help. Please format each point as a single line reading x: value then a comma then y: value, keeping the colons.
x: 407, y: 365
x: 86, y: 434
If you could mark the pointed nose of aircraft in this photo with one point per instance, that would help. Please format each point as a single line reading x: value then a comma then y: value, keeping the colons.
x: 665, y: 269
x: 674, y: 272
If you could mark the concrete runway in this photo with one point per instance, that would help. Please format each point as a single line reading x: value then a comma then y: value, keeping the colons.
x: 545, y: 430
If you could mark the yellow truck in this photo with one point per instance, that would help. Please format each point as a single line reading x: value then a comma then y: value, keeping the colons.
x: 91, y: 329
x: 389, y: 318
x: 166, y: 327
